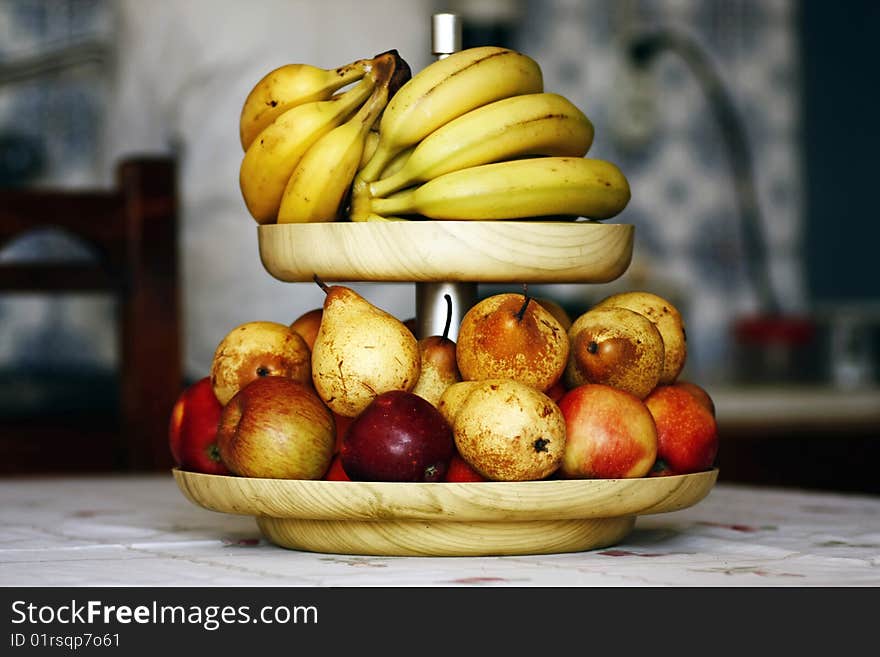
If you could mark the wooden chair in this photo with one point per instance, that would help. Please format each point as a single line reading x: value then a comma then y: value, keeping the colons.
x: 133, y: 227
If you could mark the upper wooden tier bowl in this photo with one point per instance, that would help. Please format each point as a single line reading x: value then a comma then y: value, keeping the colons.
x: 528, y: 251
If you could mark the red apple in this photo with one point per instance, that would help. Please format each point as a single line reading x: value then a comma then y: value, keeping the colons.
x: 192, y: 430
x: 461, y: 470
x: 278, y: 428
x: 336, y: 472
x: 556, y: 391
x: 399, y: 436
x: 342, y: 423
x: 687, y: 434
x: 610, y: 434
x: 699, y: 393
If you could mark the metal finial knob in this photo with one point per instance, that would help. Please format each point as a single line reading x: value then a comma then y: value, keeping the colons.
x: 445, y: 34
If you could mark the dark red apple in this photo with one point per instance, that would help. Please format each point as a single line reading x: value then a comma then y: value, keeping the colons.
x: 192, y: 430
x: 399, y: 436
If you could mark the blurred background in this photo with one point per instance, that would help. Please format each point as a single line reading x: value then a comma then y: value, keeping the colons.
x: 742, y: 125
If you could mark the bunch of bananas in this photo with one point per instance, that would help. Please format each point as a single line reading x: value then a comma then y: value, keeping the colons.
x: 473, y: 136
x: 303, y: 142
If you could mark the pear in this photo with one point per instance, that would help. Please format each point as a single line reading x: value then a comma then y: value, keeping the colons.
x: 556, y: 309
x: 668, y: 321
x: 509, y: 431
x: 257, y: 349
x: 439, y: 368
x: 512, y: 336
x: 616, y: 347
x: 360, y: 351
x: 453, y: 397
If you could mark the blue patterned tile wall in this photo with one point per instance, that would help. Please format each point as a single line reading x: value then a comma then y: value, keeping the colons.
x: 688, y: 228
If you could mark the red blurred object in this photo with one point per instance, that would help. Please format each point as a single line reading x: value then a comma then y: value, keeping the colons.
x: 777, y: 348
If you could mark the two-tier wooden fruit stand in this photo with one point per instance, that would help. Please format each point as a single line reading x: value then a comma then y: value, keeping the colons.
x: 446, y: 519
x: 485, y: 518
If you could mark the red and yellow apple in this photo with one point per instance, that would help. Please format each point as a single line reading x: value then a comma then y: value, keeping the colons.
x: 192, y: 430
x: 278, y: 428
x: 610, y: 434
x: 687, y: 433
x: 699, y: 393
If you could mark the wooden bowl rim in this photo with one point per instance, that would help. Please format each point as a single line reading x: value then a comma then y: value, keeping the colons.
x: 448, y: 501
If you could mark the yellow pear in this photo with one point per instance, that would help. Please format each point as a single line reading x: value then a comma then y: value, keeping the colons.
x: 512, y: 336
x: 359, y: 352
x: 556, y: 309
x: 453, y: 397
x: 616, y: 347
x: 668, y: 321
x: 439, y: 368
x: 509, y: 431
x: 257, y: 349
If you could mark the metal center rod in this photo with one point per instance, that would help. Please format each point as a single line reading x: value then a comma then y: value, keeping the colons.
x: 431, y: 306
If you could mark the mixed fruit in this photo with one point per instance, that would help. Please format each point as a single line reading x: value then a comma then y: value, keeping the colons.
x: 525, y: 392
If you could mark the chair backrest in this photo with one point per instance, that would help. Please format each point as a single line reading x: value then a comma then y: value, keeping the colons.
x: 134, y: 230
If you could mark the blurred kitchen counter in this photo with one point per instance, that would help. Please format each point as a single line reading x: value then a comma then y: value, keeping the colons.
x: 785, y: 408
x: 816, y: 437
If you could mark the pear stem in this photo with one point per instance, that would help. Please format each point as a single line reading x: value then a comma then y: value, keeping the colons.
x: 522, y: 311
x: 321, y: 284
x: 448, y: 316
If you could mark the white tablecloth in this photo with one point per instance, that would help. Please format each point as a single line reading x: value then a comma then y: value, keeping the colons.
x: 141, y: 531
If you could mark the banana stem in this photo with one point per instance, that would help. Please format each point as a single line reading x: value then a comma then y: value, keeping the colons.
x: 389, y: 185
x: 354, y: 71
x: 400, y: 203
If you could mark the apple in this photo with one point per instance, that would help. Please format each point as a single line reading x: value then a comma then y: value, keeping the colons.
x: 610, y: 434
x: 460, y: 470
x: 342, y: 422
x: 307, y: 325
x: 192, y: 430
x: 556, y: 391
x: 399, y: 436
x: 276, y: 427
x: 699, y: 393
x: 687, y: 433
x: 336, y: 472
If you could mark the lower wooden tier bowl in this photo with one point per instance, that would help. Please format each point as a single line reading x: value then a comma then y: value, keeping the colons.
x: 445, y: 519
x: 447, y: 251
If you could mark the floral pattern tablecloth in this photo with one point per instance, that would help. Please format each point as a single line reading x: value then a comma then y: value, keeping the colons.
x: 141, y: 531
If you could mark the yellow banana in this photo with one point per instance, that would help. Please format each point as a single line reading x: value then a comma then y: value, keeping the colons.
x: 291, y: 85
x: 271, y: 158
x: 446, y: 89
x: 516, y: 189
x: 527, y: 124
x: 369, y: 147
x: 324, y: 175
